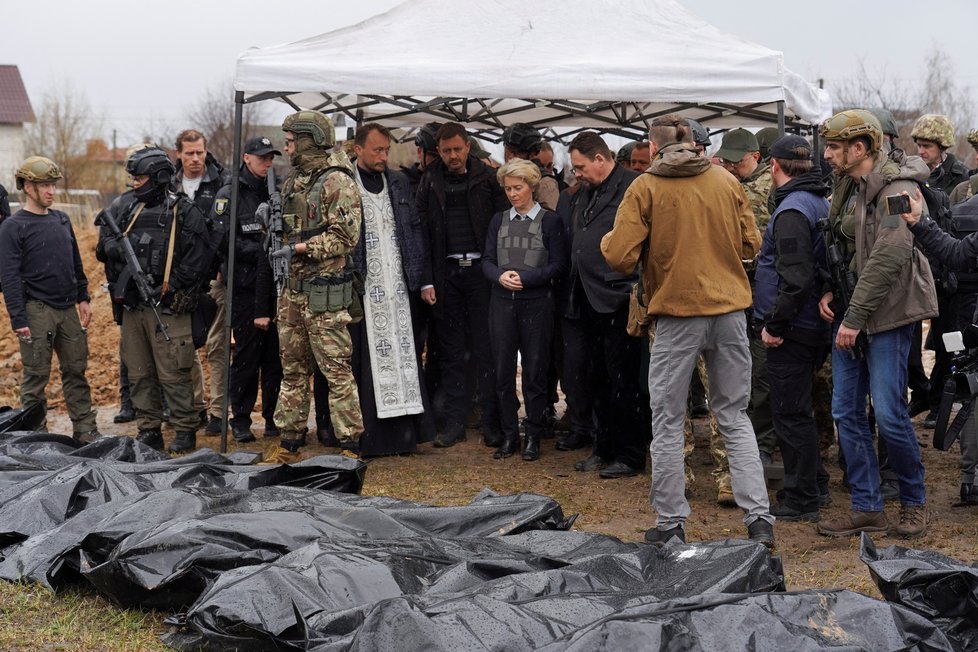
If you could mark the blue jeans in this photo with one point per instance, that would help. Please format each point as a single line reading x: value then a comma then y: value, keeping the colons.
x: 883, y: 375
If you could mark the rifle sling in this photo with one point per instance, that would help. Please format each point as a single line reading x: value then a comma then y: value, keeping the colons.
x: 169, y: 249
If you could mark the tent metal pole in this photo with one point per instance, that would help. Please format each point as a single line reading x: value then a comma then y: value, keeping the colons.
x: 781, y: 117
x: 229, y: 281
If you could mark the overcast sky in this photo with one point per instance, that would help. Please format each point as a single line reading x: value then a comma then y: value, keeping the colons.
x: 144, y: 69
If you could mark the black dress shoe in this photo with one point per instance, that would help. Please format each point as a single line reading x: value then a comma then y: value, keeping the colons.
x: 213, y: 425
x: 492, y: 438
x: 890, y: 490
x: 786, y: 512
x: 592, y: 463
x: 243, y: 435
x: 531, y: 451
x: 916, y: 406
x: 618, y: 470
x: 659, y: 538
x: 449, y: 437
x: 573, y: 441
x: 507, y: 448
x: 930, y: 421
x: 327, y: 438
x: 271, y: 430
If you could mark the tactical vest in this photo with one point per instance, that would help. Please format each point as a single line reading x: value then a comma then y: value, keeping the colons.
x: 767, y: 281
x: 304, y: 218
x: 459, y: 235
x: 519, y: 244
x: 151, y: 235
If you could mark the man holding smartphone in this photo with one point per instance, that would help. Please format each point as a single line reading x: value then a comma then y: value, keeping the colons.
x: 894, y: 289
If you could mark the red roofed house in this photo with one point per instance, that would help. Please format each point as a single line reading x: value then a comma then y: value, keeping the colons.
x: 15, y: 112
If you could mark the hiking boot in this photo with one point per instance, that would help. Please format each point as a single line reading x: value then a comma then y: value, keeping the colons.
x: 913, y: 521
x: 784, y: 512
x: 152, y: 438
x: 271, y: 430
x: 760, y: 531
x: 184, y: 442
x: 126, y: 414
x: 725, y: 497
x: 853, y: 523
x: 659, y: 538
x: 213, y: 425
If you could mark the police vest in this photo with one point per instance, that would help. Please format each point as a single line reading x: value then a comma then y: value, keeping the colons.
x: 519, y: 244
x: 767, y: 281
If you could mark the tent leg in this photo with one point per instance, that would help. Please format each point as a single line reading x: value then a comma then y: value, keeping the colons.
x: 232, y: 229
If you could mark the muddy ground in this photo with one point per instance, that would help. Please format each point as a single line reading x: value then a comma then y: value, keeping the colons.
x: 615, y: 507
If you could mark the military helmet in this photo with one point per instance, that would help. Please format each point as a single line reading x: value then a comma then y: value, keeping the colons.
x: 522, y: 137
x: 313, y: 123
x: 701, y: 135
x: 886, y: 121
x: 851, y: 124
x: 973, y: 136
x: 934, y: 127
x: 152, y: 162
x: 426, y: 138
x: 37, y: 169
x: 765, y: 138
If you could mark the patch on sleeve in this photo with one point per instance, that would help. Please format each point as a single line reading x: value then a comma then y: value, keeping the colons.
x: 220, y: 206
x: 891, y: 222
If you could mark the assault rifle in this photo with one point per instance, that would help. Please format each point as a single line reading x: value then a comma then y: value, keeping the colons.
x: 133, y: 271
x: 843, y: 282
x: 277, y: 234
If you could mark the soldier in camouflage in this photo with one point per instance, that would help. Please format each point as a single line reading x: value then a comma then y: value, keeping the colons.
x: 934, y: 136
x: 322, y: 214
x: 740, y: 154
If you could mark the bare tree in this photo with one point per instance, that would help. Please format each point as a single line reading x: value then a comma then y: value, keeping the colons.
x: 907, y: 100
x: 64, y: 127
x: 213, y: 115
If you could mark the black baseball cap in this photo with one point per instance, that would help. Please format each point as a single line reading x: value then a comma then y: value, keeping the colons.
x: 260, y: 146
x: 791, y: 148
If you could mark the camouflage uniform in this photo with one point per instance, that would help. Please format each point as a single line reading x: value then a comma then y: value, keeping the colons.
x: 306, y: 336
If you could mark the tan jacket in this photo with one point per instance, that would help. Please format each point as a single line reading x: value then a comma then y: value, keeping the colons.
x: 695, y: 223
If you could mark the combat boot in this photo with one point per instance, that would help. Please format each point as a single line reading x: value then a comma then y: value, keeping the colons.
x: 185, y: 441
x: 152, y: 438
x: 126, y: 413
x: 531, y: 449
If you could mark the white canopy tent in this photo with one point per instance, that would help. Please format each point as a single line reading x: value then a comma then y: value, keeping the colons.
x: 611, y: 65
x: 607, y: 64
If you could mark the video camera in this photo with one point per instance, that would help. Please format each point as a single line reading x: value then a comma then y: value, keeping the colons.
x: 960, y: 385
